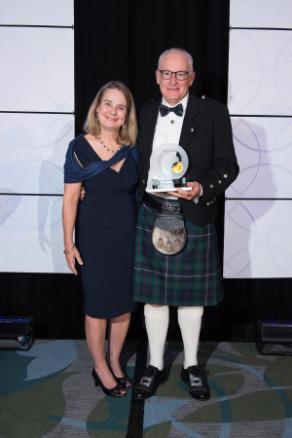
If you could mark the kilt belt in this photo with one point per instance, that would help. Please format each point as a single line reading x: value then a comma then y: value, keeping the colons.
x: 191, y: 277
x: 161, y: 205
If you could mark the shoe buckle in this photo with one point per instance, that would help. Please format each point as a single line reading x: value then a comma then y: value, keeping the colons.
x: 146, y: 381
x: 195, y: 380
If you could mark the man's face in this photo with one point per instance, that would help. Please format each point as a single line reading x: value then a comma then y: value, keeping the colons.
x: 174, y: 90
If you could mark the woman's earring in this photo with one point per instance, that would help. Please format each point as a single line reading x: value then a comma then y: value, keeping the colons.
x: 124, y: 126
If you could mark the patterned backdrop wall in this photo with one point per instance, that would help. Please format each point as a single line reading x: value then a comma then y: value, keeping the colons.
x: 258, y: 208
x: 36, y: 124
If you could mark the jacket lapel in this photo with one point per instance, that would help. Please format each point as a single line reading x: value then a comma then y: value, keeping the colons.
x: 190, y: 122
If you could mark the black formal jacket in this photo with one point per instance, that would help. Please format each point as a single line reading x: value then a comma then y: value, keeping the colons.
x: 206, y: 136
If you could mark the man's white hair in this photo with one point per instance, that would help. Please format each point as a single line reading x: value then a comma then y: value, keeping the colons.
x: 177, y: 49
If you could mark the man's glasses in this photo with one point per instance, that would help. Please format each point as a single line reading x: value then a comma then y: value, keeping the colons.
x: 179, y: 75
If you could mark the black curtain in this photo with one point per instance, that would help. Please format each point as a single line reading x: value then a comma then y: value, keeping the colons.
x: 122, y: 39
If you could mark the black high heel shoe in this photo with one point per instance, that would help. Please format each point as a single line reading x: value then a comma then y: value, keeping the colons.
x: 125, y: 381
x: 116, y: 391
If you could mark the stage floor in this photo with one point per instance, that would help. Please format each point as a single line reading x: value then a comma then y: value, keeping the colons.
x: 48, y: 392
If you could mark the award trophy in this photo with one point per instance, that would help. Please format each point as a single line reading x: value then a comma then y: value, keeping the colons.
x: 170, y: 163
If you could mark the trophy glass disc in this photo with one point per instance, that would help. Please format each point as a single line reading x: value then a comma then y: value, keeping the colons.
x: 173, y: 161
x: 170, y: 162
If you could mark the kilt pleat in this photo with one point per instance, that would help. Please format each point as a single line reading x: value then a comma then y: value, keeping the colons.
x: 190, y: 278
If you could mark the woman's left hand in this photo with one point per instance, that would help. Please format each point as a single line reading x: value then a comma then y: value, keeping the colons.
x: 71, y: 258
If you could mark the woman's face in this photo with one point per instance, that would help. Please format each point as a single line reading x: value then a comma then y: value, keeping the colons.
x: 112, y: 110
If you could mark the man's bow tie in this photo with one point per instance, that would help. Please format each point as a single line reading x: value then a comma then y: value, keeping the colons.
x: 178, y: 110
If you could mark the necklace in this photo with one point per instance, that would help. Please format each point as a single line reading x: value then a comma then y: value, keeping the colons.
x: 113, y: 151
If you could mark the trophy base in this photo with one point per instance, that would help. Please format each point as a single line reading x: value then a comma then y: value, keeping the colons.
x: 170, y: 189
x: 167, y: 185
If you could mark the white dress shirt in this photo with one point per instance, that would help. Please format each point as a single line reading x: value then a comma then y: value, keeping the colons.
x: 167, y: 130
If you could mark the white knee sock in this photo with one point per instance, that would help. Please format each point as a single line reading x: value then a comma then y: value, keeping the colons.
x: 156, y: 321
x: 190, y: 319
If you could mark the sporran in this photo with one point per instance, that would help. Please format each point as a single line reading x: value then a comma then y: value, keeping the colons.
x: 169, y: 234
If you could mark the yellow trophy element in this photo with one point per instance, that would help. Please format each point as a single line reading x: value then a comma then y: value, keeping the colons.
x: 177, y: 167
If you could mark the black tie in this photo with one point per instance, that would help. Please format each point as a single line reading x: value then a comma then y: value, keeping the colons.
x: 178, y: 110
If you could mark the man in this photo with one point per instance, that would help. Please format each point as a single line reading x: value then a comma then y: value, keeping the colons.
x: 190, y: 279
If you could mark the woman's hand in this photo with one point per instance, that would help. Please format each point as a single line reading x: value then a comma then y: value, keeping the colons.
x: 82, y: 193
x: 71, y: 256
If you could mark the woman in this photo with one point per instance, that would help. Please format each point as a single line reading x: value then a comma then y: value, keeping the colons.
x: 104, y: 162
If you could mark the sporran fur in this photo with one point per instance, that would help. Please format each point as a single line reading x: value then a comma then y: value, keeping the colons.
x: 169, y: 234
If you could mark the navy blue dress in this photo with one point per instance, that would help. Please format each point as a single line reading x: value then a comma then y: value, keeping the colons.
x: 106, y: 224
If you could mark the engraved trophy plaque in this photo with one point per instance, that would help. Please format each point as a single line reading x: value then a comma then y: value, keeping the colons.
x: 170, y: 163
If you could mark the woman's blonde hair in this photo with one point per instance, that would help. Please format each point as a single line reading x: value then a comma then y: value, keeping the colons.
x: 128, y: 131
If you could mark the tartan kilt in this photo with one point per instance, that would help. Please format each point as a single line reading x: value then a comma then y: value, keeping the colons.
x: 190, y: 278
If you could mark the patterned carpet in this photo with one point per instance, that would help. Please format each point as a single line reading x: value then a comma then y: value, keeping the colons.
x: 251, y: 396
x: 48, y: 392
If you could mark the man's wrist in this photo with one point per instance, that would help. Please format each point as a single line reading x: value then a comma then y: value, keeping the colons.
x: 196, y: 199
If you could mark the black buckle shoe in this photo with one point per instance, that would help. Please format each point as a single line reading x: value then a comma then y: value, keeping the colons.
x: 149, y: 382
x: 195, y: 376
